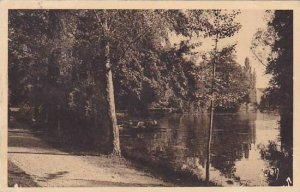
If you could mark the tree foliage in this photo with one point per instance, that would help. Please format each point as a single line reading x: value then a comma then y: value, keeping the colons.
x: 57, y: 65
x: 279, y: 94
x: 274, y: 48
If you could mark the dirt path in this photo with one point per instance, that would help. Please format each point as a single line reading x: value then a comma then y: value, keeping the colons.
x: 50, y: 167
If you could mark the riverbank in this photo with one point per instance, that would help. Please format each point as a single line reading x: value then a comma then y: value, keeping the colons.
x: 67, y: 165
x: 33, y: 162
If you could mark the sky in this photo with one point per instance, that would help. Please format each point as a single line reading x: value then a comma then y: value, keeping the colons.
x: 251, y: 21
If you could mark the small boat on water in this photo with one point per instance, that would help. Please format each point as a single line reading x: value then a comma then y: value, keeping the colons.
x: 140, y: 125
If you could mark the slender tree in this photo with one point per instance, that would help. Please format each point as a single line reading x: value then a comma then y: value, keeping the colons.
x: 220, y: 24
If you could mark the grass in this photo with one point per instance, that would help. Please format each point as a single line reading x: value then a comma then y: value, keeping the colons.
x: 17, y: 177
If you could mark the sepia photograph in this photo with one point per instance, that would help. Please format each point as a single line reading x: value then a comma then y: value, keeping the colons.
x: 150, y: 98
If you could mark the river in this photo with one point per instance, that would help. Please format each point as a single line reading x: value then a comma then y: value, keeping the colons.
x: 239, y: 144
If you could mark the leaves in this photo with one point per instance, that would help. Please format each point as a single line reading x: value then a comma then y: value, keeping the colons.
x: 62, y: 58
x: 277, y: 42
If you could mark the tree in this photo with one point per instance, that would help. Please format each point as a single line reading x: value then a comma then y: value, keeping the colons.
x: 281, y: 68
x: 280, y: 65
x: 83, y: 55
x: 28, y: 60
x: 146, y: 24
x: 73, y: 52
x: 132, y: 41
x: 220, y: 24
x: 263, y: 39
x: 277, y: 42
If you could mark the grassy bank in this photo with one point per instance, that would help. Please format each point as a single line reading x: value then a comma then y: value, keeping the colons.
x: 18, y: 177
x: 168, y: 173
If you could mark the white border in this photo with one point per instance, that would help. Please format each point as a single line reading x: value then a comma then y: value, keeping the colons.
x: 13, y: 4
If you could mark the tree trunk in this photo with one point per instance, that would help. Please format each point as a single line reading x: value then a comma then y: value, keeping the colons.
x: 109, y: 95
x: 109, y: 91
x: 211, y: 114
x: 209, y: 141
x: 58, y: 121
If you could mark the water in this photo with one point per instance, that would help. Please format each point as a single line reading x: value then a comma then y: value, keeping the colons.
x: 238, y: 141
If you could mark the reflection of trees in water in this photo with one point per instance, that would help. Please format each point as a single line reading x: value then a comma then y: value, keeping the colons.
x: 286, y: 131
x: 187, y: 138
x: 280, y: 163
x: 280, y: 155
x: 183, y: 144
x: 232, y: 142
x: 184, y: 137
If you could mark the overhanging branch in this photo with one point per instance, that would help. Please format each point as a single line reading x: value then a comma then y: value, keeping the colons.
x: 256, y: 56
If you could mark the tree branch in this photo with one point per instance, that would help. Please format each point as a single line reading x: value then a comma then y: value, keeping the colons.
x: 256, y: 56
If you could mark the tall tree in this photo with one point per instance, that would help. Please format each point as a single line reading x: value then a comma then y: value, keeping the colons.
x: 281, y: 68
x: 124, y: 33
x: 69, y: 54
x: 277, y: 42
x: 274, y: 46
x: 220, y: 24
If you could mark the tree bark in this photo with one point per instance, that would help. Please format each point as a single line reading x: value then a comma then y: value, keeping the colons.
x: 109, y: 93
x: 109, y: 90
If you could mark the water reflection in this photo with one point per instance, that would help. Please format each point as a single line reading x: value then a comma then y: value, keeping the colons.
x: 236, y: 145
